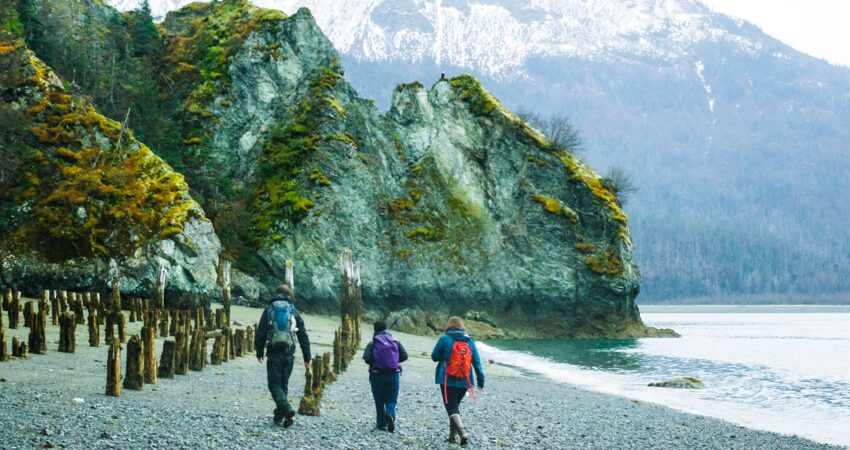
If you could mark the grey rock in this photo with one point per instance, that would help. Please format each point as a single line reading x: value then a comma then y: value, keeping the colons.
x: 680, y: 383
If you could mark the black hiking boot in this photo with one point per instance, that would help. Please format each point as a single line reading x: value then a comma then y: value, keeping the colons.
x: 390, y: 423
x: 278, y: 416
x: 289, y: 418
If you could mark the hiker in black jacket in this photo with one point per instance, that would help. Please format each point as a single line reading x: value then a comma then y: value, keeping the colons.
x: 278, y: 327
x: 384, y: 355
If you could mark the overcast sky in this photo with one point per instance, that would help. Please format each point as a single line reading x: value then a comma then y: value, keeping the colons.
x: 817, y: 27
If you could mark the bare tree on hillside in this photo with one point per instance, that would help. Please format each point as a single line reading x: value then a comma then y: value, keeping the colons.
x: 558, y: 129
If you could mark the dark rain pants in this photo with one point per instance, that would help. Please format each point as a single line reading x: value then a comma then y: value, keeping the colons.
x: 279, y: 368
x: 451, y: 398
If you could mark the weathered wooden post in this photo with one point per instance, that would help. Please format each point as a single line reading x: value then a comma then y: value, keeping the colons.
x: 113, y: 369
x: 15, y: 346
x: 337, y: 352
x: 94, y: 331
x: 54, y: 308
x: 115, y: 298
x: 28, y: 314
x: 173, y: 327
x: 167, y: 360
x: 67, y: 333
x: 238, y: 342
x: 149, y: 355
x: 7, y: 298
x: 4, y: 354
x: 63, y: 300
x: 38, y: 323
x: 109, y: 329
x: 250, y: 338
x: 77, y: 306
x: 183, y: 359
x: 224, y: 282
x: 180, y: 339
x: 326, y: 368
x: 159, y: 295
x: 134, y: 377
x: 22, y: 351
x: 122, y: 328
x: 289, y: 276
x: 163, y: 323
x: 132, y: 318
x: 14, y: 310
x: 308, y: 406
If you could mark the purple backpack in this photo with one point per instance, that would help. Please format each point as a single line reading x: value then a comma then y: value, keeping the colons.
x: 384, y: 354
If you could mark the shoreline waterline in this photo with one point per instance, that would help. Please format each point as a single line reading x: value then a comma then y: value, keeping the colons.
x: 745, y: 358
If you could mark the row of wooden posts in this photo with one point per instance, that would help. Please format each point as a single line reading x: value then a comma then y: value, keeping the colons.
x: 191, y: 331
x: 346, y: 338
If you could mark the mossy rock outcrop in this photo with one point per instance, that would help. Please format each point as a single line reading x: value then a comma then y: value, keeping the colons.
x: 450, y: 202
x: 85, y: 191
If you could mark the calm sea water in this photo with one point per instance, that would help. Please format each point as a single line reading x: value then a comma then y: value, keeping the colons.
x: 782, y: 368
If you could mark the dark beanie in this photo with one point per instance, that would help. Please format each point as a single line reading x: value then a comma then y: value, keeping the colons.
x: 380, y: 326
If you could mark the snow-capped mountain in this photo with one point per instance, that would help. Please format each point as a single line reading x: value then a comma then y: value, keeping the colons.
x: 737, y: 142
x: 496, y: 37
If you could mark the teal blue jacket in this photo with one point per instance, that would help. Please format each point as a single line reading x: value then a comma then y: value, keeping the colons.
x: 443, y: 352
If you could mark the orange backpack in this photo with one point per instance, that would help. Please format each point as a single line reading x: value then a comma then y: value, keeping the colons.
x: 458, y: 366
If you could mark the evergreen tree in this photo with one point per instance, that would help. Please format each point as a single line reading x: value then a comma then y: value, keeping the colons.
x: 144, y: 40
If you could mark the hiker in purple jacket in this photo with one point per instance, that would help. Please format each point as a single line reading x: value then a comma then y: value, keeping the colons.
x: 384, y: 356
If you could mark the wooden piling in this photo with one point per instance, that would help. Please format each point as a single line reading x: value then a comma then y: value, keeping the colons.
x: 67, y: 333
x: 122, y: 328
x: 166, y: 361
x: 4, y: 354
x: 94, y: 331
x: 63, y: 300
x: 28, y: 314
x: 180, y: 339
x: 20, y: 349
x: 113, y: 369
x: 173, y: 326
x: 38, y: 323
x: 224, y: 282
x: 7, y: 298
x: 238, y: 343
x: 163, y: 323
x: 134, y: 377
x: 159, y: 293
x: 14, y: 310
x: 149, y: 355
x: 54, y: 309
x: 109, y: 329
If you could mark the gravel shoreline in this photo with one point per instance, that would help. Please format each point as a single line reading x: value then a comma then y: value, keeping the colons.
x: 57, y: 400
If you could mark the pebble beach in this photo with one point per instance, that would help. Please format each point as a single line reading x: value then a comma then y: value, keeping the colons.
x: 57, y: 401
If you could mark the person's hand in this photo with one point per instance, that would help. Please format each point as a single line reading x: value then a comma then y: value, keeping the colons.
x: 260, y: 359
x: 308, y: 363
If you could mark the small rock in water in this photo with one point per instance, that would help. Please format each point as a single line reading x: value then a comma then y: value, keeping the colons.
x: 79, y: 400
x: 46, y: 432
x: 681, y: 383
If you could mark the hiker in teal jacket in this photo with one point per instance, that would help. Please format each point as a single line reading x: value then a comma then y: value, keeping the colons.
x: 452, y: 390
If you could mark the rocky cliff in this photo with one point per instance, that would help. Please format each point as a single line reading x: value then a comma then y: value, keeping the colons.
x: 78, y: 190
x: 452, y: 204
